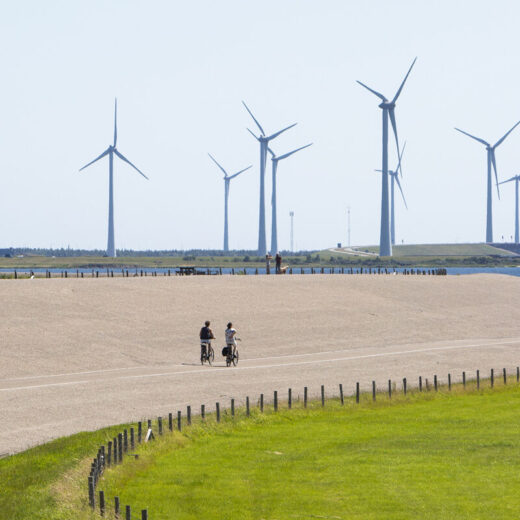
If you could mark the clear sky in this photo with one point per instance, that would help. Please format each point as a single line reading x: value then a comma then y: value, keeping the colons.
x: 180, y: 71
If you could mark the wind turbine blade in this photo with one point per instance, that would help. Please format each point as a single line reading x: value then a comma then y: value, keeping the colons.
x: 380, y: 96
x: 254, y: 118
x: 252, y: 134
x: 379, y: 171
x: 473, y: 137
x: 276, y: 134
x: 106, y: 152
x: 241, y: 171
x: 123, y: 158
x: 284, y: 156
x: 501, y: 140
x: 214, y: 160
x: 115, y: 124
x: 400, y: 158
x: 509, y: 180
x: 273, y: 155
x: 494, y: 163
x: 398, y: 93
x: 401, y: 190
x: 391, y: 113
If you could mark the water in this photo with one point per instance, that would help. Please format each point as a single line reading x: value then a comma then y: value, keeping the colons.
x: 512, y: 271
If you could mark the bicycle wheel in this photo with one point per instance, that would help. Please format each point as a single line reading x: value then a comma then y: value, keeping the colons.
x: 211, y: 356
x: 235, y: 359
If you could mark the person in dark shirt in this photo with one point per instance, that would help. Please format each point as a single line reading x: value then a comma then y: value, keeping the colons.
x: 206, y: 335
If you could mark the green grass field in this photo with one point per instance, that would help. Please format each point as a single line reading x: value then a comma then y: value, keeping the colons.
x: 427, y: 455
x: 442, y: 250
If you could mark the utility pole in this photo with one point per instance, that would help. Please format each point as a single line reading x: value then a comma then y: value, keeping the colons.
x: 291, y: 214
x: 348, y: 226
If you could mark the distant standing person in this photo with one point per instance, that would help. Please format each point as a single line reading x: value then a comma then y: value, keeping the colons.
x: 268, y: 259
x: 278, y: 261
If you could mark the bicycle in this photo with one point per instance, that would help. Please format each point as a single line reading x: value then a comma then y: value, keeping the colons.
x: 207, y: 354
x: 231, y: 353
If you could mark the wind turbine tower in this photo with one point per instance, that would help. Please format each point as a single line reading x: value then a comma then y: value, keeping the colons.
x: 291, y: 214
x: 388, y: 107
x: 517, y: 180
x: 227, y: 180
x: 110, y: 151
x: 274, y: 229
x: 264, y: 142
x: 394, y: 175
x: 491, y: 162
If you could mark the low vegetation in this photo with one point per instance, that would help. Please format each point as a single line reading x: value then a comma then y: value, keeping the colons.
x: 446, y: 454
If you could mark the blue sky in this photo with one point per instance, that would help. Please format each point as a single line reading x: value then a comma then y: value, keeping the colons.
x: 180, y: 71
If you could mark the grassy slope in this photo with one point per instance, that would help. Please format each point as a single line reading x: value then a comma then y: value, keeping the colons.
x: 443, y: 250
x: 440, y: 456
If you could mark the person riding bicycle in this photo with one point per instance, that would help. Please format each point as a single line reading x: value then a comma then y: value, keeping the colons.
x: 206, y: 335
x: 231, y: 342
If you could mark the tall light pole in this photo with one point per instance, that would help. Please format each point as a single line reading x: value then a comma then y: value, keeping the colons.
x: 348, y: 226
x: 291, y: 214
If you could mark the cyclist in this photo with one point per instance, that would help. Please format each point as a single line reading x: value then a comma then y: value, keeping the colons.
x: 206, y: 335
x: 231, y: 343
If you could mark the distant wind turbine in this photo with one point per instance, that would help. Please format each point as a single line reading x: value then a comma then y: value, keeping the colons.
x: 394, y: 175
x: 491, y: 161
x: 388, y: 107
x: 274, y: 228
x: 264, y: 141
x: 517, y: 180
x: 110, y: 151
x: 227, y: 180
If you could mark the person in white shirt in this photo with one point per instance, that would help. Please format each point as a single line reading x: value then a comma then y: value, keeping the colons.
x: 231, y: 342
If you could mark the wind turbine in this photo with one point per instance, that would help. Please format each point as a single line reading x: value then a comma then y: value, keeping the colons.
x: 227, y: 180
x: 491, y: 161
x: 388, y: 107
x: 110, y: 151
x: 274, y: 229
x: 394, y: 175
x: 264, y: 142
x: 517, y: 180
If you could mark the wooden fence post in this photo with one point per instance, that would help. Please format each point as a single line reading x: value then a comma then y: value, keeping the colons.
x: 179, y: 420
x: 389, y: 389
x: 478, y: 379
x: 232, y: 408
x: 275, y: 400
x: 373, y: 390
x: 125, y: 441
x: 449, y: 382
x: 170, y: 422
x: 202, y: 411
x: 132, y: 438
x: 492, y: 378
x: 357, y: 392
x: 217, y: 411
x: 305, y: 396
x: 261, y: 402
x: 322, y: 395
x: 114, y: 444
x: 159, y: 425
x: 289, y: 398
x: 247, y: 406
x: 116, y: 506
x: 120, y: 447
x: 517, y: 374
x: 420, y: 383
x: 128, y: 513
x: 109, y: 453
x: 188, y: 414
x: 102, y: 503
x: 139, y: 432
x: 144, y: 514
x: 435, y: 382
x: 464, y: 379
x: 341, y: 394
x: 91, y: 492
x: 505, y: 375
x: 404, y: 385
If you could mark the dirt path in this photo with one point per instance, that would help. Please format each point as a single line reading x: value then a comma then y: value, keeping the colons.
x: 81, y: 354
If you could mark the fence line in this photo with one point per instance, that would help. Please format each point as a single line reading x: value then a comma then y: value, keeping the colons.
x: 118, y: 449
x: 135, y: 272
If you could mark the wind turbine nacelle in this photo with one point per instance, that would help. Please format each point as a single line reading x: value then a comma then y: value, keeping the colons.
x: 387, y: 104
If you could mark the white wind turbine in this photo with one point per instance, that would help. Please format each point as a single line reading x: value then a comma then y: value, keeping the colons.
x: 110, y: 151
x: 517, y: 180
x: 227, y: 180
